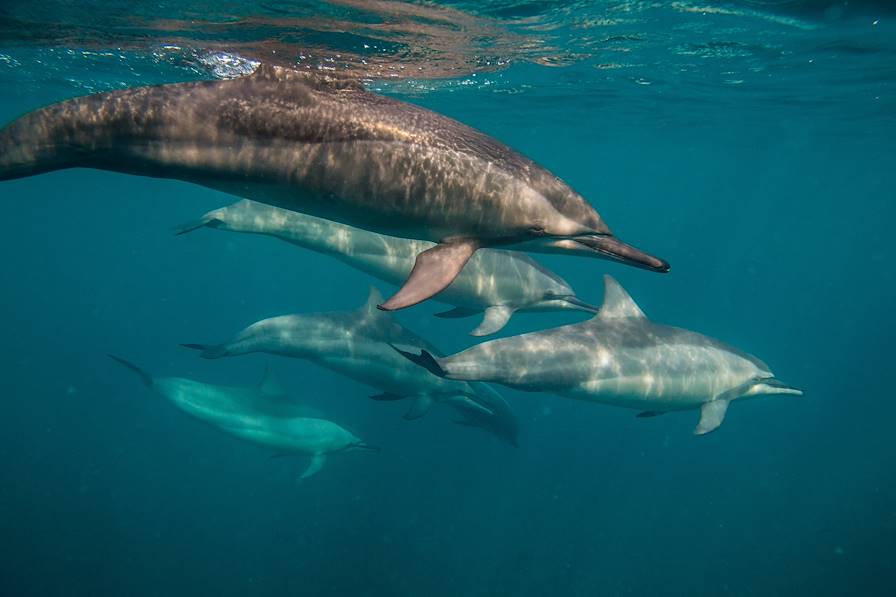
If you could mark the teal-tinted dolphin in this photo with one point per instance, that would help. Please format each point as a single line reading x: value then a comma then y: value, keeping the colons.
x: 357, y: 345
x: 330, y: 149
x: 261, y: 414
x: 495, y: 281
x: 619, y: 357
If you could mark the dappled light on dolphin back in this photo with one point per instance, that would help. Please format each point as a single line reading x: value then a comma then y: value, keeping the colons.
x: 619, y: 357
x: 325, y: 147
x: 356, y: 344
x: 494, y: 284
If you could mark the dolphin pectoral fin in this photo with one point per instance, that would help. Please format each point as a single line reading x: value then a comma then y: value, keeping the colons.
x: 433, y: 271
x: 712, y: 414
x: 496, y: 317
x: 649, y: 413
x: 317, y: 463
x: 424, y: 359
x: 270, y: 385
x: 457, y: 313
x: 387, y: 396
x: 419, y: 408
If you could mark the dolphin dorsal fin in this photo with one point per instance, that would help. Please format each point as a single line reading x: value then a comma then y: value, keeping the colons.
x: 374, y: 298
x: 270, y: 385
x: 617, y: 302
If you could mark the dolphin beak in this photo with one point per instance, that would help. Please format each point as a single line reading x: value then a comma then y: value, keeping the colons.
x: 773, y: 385
x: 580, y: 304
x: 613, y: 248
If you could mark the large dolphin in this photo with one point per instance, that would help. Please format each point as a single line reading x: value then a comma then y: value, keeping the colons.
x: 618, y: 357
x: 330, y: 149
x: 494, y: 281
x: 261, y: 414
x: 357, y: 345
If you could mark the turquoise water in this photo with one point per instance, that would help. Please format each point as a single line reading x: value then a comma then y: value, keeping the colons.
x: 750, y: 144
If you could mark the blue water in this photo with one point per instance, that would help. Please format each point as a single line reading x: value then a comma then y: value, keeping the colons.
x: 753, y: 148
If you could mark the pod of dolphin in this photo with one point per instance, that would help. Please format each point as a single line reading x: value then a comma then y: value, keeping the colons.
x: 415, y: 199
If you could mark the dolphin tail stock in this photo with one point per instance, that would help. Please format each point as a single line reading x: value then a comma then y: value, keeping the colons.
x: 434, y: 270
x: 424, y: 358
x: 144, y: 376
x: 209, y: 351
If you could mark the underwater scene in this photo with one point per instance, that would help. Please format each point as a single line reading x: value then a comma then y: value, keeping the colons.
x: 417, y: 298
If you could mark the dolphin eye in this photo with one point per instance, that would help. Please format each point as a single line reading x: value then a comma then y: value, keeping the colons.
x: 537, y: 229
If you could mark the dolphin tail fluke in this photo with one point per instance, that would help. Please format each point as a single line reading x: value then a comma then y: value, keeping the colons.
x: 144, y: 376
x: 207, y: 220
x: 434, y: 270
x: 424, y: 359
x: 209, y: 351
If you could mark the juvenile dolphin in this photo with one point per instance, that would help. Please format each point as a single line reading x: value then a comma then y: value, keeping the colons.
x: 357, y: 345
x: 261, y: 414
x: 330, y: 149
x: 494, y: 281
x: 619, y: 357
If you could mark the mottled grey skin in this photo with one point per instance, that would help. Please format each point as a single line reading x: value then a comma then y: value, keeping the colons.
x: 261, y: 414
x: 619, y: 357
x: 328, y: 149
x: 357, y: 345
x: 495, y: 281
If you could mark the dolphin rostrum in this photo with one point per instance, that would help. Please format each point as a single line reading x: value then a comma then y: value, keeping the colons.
x: 260, y: 414
x: 619, y: 357
x: 357, y: 345
x: 330, y: 149
x: 495, y: 281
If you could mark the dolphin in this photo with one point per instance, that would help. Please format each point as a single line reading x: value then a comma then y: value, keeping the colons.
x: 495, y: 281
x: 331, y: 149
x: 618, y: 357
x: 260, y: 414
x: 357, y: 345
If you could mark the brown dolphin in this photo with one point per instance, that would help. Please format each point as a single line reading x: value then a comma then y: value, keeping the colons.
x: 326, y: 148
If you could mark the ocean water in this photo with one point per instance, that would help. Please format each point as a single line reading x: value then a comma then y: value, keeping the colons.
x: 751, y: 144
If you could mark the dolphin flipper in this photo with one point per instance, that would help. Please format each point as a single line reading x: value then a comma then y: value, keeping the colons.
x: 387, y: 396
x: 457, y: 313
x: 712, y: 414
x: 209, y: 351
x: 496, y: 317
x: 433, y: 271
x: 419, y: 408
x: 317, y: 463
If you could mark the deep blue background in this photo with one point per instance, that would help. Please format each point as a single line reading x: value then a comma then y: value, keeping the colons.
x: 777, y: 220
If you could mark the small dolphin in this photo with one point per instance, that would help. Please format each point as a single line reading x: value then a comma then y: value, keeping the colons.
x: 495, y: 281
x: 619, y: 357
x: 330, y: 149
x: 357, y: 345
x: 261, y: 414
